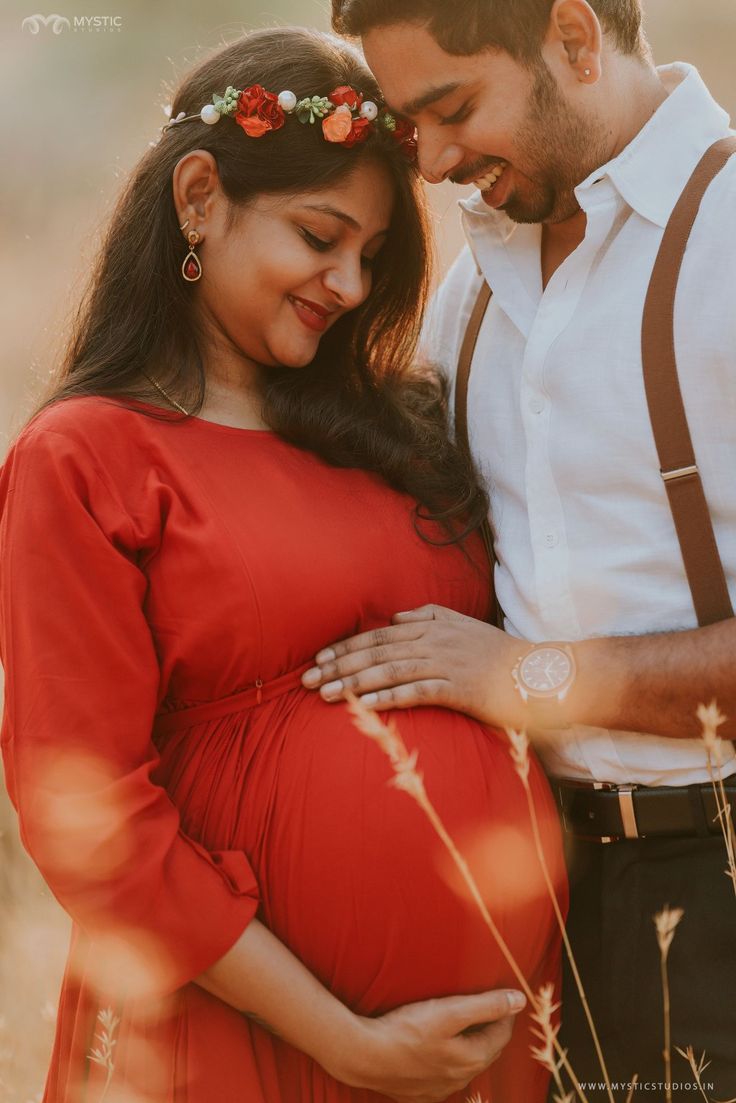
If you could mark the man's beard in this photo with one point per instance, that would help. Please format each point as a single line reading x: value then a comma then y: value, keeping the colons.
x: 561, y: 148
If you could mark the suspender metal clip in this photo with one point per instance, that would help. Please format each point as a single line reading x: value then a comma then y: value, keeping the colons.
x: 680, y: 473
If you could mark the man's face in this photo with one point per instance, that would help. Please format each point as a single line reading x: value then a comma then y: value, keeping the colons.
x: 489, y: 120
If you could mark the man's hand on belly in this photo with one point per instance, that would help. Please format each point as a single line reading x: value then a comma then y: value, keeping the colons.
x: 429, y: 656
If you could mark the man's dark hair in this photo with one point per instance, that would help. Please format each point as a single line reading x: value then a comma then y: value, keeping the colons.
x: 469, y: 26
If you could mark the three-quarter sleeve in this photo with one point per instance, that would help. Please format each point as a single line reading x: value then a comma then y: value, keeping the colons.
x: 81, y: 689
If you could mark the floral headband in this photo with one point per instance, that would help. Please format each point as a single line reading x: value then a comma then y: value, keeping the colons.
x: 346, y: 117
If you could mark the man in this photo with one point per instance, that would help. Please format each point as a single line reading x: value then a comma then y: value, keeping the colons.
x: 580, y: 149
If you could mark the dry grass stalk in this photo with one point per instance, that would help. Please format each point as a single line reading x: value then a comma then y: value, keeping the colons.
x: 407, y: 778
x: 519, y: 744
x: 103, y: 1054
x: 632, y: 1089
x: 711, y: 720
x: 698, y: 1068
x: 666, y: 923
x: 547, y: 1030
x: 476, y: 1098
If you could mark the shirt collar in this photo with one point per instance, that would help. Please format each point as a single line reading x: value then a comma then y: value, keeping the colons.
x: 652, y: 170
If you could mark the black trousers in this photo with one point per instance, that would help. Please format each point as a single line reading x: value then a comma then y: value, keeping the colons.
x: 616, y: 889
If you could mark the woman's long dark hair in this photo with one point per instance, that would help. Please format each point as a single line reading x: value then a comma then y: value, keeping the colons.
x: 361, y: 402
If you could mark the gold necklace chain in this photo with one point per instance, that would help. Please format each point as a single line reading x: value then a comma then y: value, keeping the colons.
x: 157, y: 385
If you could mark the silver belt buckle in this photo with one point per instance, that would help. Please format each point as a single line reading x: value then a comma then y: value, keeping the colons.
x: 625, y: 804
x: 626, y: 808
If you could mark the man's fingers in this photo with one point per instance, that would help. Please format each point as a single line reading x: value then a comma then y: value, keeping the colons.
x: 374, y: 678
x: 427, y: 612
x: 386, y: 658
x: 429, y: 691
x: 379, y: 637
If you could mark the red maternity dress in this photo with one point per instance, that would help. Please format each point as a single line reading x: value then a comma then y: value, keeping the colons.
x: 163, y: 586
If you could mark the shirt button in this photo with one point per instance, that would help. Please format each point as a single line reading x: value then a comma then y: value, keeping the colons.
x: 551, y: 539
x: 536, y: 405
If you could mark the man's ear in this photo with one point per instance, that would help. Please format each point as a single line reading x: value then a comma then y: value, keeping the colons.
x: 574, y: 40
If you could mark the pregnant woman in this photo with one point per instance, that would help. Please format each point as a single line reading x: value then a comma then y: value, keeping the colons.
x: 236, y: 465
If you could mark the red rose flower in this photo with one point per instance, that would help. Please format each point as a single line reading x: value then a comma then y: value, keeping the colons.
x: 406, y: 135
x: 258, y: 111
x: 348, y: 95
x: 358, y: 133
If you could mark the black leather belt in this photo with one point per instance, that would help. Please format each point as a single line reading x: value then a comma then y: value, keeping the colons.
x: 607, y: 813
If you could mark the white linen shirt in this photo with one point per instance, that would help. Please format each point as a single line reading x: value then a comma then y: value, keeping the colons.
x: 558, y: 418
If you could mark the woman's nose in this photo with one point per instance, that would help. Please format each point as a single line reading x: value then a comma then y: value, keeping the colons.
x: 347, y: 283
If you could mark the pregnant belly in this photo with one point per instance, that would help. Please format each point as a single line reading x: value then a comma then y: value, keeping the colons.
x: 352, y: 875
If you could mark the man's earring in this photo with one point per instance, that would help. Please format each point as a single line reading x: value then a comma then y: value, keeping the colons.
x: 191, y: 268
x: 586, y: 72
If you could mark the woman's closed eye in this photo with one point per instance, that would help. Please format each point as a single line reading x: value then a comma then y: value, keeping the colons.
x: 316, y: 242
x: 323, y: 246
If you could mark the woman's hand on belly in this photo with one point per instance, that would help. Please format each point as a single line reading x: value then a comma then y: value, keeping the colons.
x: 418, y: 1053
x: 423, y: 1052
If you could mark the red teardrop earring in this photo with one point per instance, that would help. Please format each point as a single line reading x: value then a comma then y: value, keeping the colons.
x: 191, y: 268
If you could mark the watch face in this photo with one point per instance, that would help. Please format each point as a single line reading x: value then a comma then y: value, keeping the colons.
x: 546, y: 670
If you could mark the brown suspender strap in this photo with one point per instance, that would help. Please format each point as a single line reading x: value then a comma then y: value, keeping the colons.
x: 677, y: 462
x: 464, y: 363
x: 462, y: 379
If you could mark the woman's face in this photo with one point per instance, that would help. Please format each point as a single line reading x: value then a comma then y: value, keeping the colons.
x: 290, y: 266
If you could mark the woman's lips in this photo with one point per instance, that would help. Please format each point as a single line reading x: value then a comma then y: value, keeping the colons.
x: 312, y: 315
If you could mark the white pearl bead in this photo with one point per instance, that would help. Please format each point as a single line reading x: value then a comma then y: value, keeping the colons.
x: 287, y: 101
x: 343, y: 109
x: 369, y: 110
x: 209, y: 114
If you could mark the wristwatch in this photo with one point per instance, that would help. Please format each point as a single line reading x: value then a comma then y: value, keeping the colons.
x: 543, y: 677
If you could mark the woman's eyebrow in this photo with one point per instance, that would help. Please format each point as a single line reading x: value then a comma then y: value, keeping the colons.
x: 324, y: 208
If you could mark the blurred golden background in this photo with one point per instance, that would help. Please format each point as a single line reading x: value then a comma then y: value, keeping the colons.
x: 79, y: 107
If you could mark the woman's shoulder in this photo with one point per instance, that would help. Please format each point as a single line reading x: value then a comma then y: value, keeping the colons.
x: 80, y: 458
x: 101, y: 429
x: 86, y: 418
x: 82, y: 439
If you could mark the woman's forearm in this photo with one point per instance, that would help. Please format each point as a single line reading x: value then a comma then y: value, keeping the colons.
x: 262, y: 978
x: 421, y: 1051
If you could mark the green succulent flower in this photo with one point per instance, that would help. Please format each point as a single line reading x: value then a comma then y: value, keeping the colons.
x: 310, y: 109
x: 228, y: 103
x: 388, y: 121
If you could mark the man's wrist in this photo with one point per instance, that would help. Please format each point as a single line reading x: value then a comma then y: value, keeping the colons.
x: 601, y: 687
x: 543, y: 676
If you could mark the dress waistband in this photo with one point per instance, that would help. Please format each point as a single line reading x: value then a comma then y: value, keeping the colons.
x: 166, y: 722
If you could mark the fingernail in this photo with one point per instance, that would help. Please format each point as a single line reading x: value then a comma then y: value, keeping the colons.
x: 312, y: 677
x: 369, y: 700
x: 517, y: 1001
x: 326, y: 656
x: 332, y: 689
